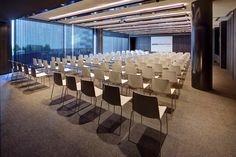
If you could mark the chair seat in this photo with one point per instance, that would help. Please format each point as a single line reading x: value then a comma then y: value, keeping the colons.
x: 64, y: 82
x: 106, y: 77
x: 124, y: 99
x: 98, y: 91
x: 145, y: 85
x: 91, y: 74
x: 172, y: 90
x: 41, y: 74
x: 162, y: 110
x: 86, y: 66
x: 123, y: 81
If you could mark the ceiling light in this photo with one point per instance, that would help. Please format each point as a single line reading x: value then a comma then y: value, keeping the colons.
x: 89, y: 9
x: 144, y: 10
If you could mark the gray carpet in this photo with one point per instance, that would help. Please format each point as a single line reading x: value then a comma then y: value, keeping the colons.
x: 203, y: 125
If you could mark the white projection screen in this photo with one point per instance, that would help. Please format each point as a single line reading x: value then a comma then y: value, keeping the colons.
x: 162, y: 44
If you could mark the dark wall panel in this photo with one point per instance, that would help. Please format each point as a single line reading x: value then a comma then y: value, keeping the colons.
x: 216, y: 36
x: 223, y: 43
x: 234, y: 52
x: 143, y: 43
x: 132, y: 43
x: 182, y: 43
x: 5, y: 48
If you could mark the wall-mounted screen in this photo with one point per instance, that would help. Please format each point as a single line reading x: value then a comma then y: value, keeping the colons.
x: 162, y: 44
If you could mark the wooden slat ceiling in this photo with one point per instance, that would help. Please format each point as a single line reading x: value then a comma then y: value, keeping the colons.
x: 141, y: 18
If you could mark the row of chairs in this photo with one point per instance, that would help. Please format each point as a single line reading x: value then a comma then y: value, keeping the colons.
x: 111, y: 95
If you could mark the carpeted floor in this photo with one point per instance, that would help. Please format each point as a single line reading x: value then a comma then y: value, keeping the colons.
x: 203, y: 125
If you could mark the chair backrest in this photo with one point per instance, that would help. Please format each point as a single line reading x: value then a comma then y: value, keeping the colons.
x: 111, y: 95
x: 71, y: 83
x: 169, y: 75
x: 58, y: 59
x: 161, y: 85
x: 145, y: 105
x: 58, y: 78
x: 135, y: 81
x: 53, y: 59
x: 130, y: 69
x: 26, y: 70
x: 85, y: 72
x: 52, y: 65
x: 104, y: 67
x: 116, y: 67
x: 98, y: 74
x: 33, y: 72
x: 95, y: 60
x: 61, y: 67
x: 147, y: 73
x: 80, y: 62
x: 157, y: 68
x: 40, y: 63
x: 45, y: 63
x: 35, y: 62
x: 87, y: 88
x: 72, y: 62
x: 175, y: 68
x: 64, y: 61
x: 115, y: 77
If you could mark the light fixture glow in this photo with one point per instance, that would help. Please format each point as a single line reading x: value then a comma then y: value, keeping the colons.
x: 150, y: 9
x: 89, y: 9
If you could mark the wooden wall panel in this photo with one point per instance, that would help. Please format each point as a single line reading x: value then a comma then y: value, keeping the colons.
x: 5, y: 48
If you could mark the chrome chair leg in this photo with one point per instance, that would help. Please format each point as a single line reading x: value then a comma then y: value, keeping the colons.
x: 52, y: 90
x: 100, y: 113
x: 130, y: 122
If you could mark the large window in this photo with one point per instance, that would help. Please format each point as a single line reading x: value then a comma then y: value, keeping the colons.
x: 36, y: 39
x: 113, y: 42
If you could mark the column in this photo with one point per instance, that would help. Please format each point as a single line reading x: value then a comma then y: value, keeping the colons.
x: 201, y: 46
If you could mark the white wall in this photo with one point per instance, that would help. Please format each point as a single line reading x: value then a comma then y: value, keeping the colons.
x: 162, y: 44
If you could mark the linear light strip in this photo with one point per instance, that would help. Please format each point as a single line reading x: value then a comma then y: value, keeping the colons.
x: 150, y: 9
x: 107, y: 22
x: 149, y: 28
x: 161, y: 24
x: 145, y: 22
x: 89, y: 9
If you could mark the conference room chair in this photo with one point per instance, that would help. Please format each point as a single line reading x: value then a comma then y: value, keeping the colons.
x: 64, y: 61
x: 38, y: 75
x: 172, y: 77
x: 72, y: 85
x: 40, y: 63
x: 147, y: 73
x: 104, y: 67
x: 59, y: 81
x: 112, y: 96
x: 53, y: 59
x: 148, y: 107
x: 88, y: 89
x: 130, y: 69
x: 35, y: 63
x: 86, y: 73
x: 157, y: 68
x: 116, y: 78
x: 58, y: 60
x: 62, y: 68
x: 80, y: 62
x: 135, y: 82
x: 162, y: 87
x: 100, y: 76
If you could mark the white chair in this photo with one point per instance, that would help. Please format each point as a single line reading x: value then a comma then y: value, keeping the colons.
x: 86, y: 73
x: 157, y: 68
x: 147, y: 73
x: 58, y: 59
x: 53, y: 59
x: 115, y: 78
x: 100, y: 76
x: 135, y: 82
x: 163, y: 87
x: 35, y: 62
x: 45, y: 63
x: 40, y: 63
